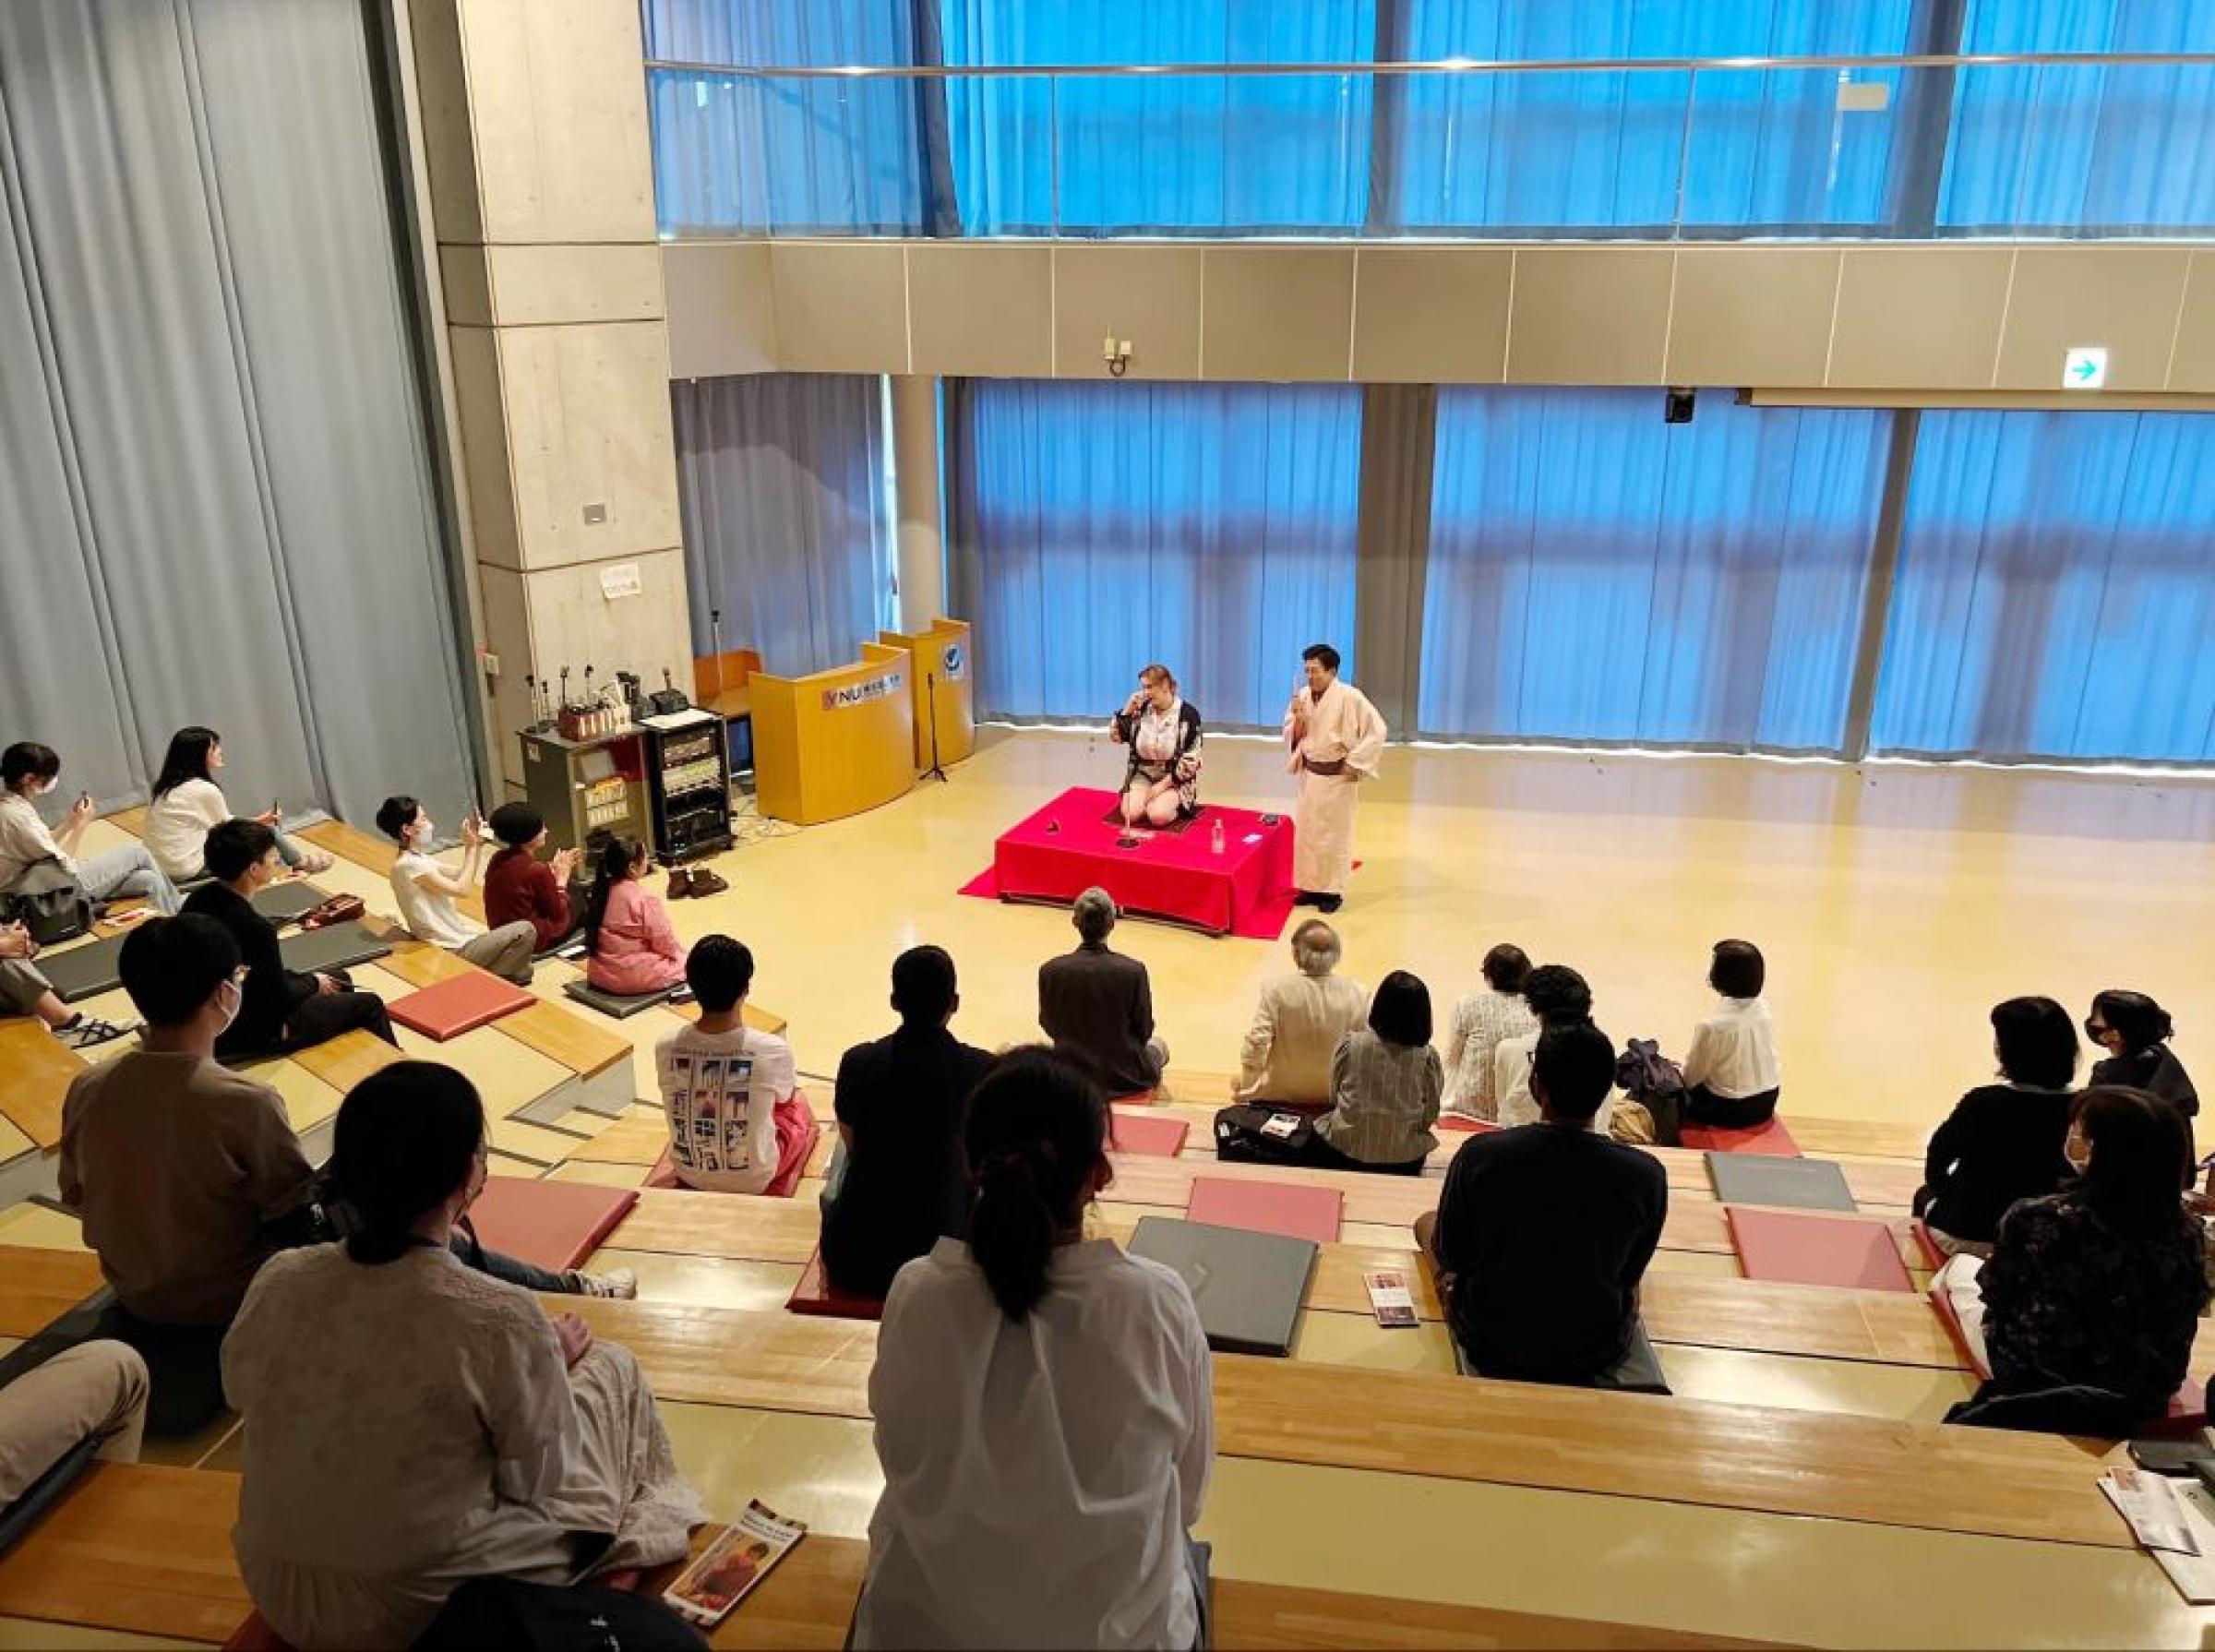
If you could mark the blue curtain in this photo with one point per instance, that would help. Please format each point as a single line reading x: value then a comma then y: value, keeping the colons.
x: 2054, y: 597
x: 737, y: 155
x: 1096, y: 527
x: 781, y: 485
x: 1199, y: 155
x: 1597, y: 575
x: 2110, y: 150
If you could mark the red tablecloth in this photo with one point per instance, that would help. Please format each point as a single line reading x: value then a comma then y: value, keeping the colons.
x: 1069, y: 846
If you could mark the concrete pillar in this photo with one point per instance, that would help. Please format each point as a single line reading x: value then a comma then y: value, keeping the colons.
x: 916, y: 477
x: 534, y: 117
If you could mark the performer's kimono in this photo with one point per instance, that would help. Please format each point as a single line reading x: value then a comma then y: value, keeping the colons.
x: 1345, y: 740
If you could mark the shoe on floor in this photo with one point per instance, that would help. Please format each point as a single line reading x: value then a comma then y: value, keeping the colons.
x: 1326, y: 905
x: 705, y: 883
x: 619, y: 1283
x: 680, y: 885
x: 1302, y: 898
x: 82, y: 1032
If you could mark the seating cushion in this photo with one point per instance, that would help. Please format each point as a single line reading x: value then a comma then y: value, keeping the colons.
x: 1291, y: 1209
x: 1762, y: 1179
x: 84, y: 971
x: 1158, y: 1135
x: 458, y: 1005
x: 548, y: 1223
x: 1772, y: 1139
x: 816, y: 1295
x: 619, y: 1006
x: 337, y: 946
x: 1928, y: 1246
x: 1792, y: 1249
x: 281, y: 902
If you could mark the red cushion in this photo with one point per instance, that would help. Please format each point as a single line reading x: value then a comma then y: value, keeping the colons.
x: 550, y: 1224
x: 458, y: 1005
x: 255, y: 1635
x: 1944, y: 1304
x: 663, y: 1174
x: 1928, y: 1246
x: 1475, y: 1126
x: 815, y: 1294
x: 1290, y: 1209
x: 1796, y: 1248
x: 1158, y: 1135
x: 1772, y: 1139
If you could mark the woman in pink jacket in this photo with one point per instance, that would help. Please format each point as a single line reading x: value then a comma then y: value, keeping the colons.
x: 627, y: 936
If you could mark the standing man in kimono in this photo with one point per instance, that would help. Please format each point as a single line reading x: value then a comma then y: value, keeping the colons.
x: 1336, y: 738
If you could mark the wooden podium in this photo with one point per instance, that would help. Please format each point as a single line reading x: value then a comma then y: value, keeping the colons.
x: 837, y: 742
x: 943, y: 680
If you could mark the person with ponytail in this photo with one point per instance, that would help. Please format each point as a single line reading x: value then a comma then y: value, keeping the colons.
x: 630, y: 943
x: 1045, y: 1420
x: 187, y: 803
x: 414, y: 1423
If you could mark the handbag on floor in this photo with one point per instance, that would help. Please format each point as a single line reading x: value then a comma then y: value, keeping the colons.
x: 1248, y: 1134
x: 49, y: 901
x: 506, y: 1613
x: 337, y: 909
x: 1657, y: 1085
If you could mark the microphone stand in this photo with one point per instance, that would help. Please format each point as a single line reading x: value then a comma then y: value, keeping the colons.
x: 930, y: 688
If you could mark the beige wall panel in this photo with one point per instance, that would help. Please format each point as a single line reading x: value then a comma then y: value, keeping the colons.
x: 841, y: 307
x: 538, y: 286
x: 450, y: 146
x: 573, y: 621
x: 721, y: 318
x: 478, y: 393
x: 1430, y: 315
x: 985, y: 311
x: 1923, y: 317
x: 1752, y: 314
x: 1147, y: 294
x: 2194, y: 366
x: 1276, y: 312
x: 507, y: 633
x: 557, y: 105
x: 2125, y: 298
x: 588, y: 427
x: 1588, y: 315
x: 466, y: 277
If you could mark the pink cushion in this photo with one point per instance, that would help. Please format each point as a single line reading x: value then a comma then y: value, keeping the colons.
x: 1944, y: 1305
x: 815, y: 1294
x: 548, y: 1223
x: 1928, y: 1246
x: 663, y: 1174
x: 1795, y: 1247
x: 1475, y: 1126
x: 1289, y: 1209
x: 458, y: 1005
x: 1772, y: 1139
x: 1158, y: 1135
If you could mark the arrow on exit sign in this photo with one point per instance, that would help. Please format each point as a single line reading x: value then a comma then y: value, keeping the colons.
x: 2084, y: 368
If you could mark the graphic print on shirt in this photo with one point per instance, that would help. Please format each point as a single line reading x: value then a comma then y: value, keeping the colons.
x: 711, y: 1106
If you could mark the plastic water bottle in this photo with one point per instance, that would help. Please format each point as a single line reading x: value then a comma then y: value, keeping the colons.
x: 1217, y: 835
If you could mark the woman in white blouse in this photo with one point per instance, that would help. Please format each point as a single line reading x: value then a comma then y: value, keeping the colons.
x: 1162, y: 781
x: 187, y: 802
x: 1732, y: 1074
x: 1045, y: 1420
x: 1483, y: 1022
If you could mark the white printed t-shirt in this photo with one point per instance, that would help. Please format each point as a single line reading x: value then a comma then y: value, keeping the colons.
x: 719, y: 1092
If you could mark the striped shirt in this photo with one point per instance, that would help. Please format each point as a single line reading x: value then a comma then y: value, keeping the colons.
x: 1384, y: 1100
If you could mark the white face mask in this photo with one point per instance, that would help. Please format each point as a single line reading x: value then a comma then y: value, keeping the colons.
x: 234, y: 999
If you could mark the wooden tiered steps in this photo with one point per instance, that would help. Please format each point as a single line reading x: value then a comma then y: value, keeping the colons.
x: 346, y: 1061
x: 35, y: 1072
x: 136, y: 1549
x: 38, y: 1286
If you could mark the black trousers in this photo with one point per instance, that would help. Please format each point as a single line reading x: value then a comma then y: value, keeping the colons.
x: 326, y: 1015
x: 1703, y: 1105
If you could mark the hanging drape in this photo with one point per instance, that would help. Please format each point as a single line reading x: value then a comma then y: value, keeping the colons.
x: 1597, y: 575
x: 211, y: 432
x: 781, y: 484
x: 1098, y: 527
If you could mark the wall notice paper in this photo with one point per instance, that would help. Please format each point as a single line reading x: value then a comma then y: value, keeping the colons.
x: 2175, y: 1522
x: 728, y: 1568
x: 1391, y: 1299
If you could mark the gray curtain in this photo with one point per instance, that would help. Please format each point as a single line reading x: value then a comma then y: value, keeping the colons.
x: 210, y: 424
x: 780, y: 480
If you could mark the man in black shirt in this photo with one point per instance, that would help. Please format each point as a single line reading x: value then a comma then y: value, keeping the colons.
x: 1542, y: 1233
x: 1098, y: 1005
x: 280, y: 1009
x: 901, y: 1103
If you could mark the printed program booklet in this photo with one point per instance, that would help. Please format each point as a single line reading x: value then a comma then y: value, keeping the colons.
x: 728, y: 1569
x: 1392, y: 1299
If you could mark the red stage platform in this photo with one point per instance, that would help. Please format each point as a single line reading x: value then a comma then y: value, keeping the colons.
x: 1068, y: 846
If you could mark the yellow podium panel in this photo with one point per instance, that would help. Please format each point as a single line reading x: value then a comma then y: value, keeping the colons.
x: 837, y: 742
x: 943, y: 681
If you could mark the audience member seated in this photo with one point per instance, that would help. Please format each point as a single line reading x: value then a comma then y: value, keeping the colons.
x: 1098, y: 1006
x: 1483, y: 1022
x: 187, y: 803
x: 2135, y: 1031
x: 1543, y: 1233
x: 1731, y: 1073
x: 1044, y: 1416
x: 631, y: 944
x: 522, y: 889
x: 2100, y: 1286
x: 1558, y: 996
x: 29, y: 771
x: 902, y: 1183
x: 94, y: 1391
x: 25, y: 991
x: 1298, y: 1024
x: 2003, y: 1142
x: 425, y: 892
x: 738, y: 1123
x: 278, y: 1009
x: 411, y: 1424
x: 1386, y: 1084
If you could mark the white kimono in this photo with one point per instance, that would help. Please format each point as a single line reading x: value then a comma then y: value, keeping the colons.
x: 1343, y: 728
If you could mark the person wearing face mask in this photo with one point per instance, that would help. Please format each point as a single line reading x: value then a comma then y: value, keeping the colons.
x: 426, y: 890
x: 28, y: 769
x: 2135, y: 1032
x: 1162, y: 783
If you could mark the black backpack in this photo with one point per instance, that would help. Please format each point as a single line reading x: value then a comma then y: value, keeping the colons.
x: 503, y: 1614
x: 1656, y: 1084
x: 49, y: 901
